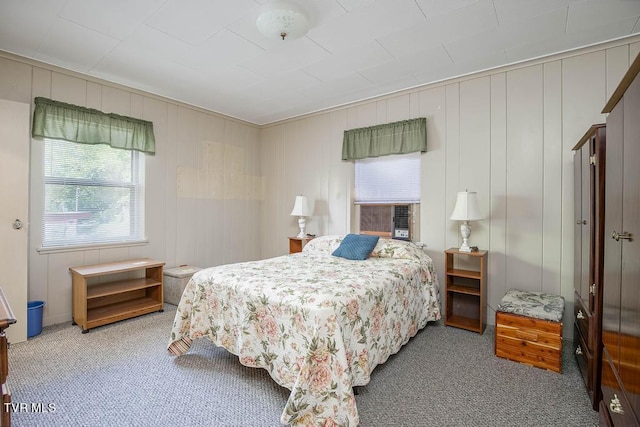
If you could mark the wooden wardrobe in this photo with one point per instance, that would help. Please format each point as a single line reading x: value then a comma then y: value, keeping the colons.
x: 620, y: 382
x: 589, y: 178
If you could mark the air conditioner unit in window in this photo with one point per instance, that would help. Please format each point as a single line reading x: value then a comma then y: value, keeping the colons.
x: 391, y: 221
x: 401, y: 222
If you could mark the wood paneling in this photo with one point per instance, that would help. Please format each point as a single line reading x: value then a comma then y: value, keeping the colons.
x: 618, y: 62
x: 475, y: 155
x: 340, y: 178
x: 451, y: 147
x: 584, y: 85
x: 434, y: 221
x: 68, y: 88
x: 184, y: 224
x: 16, y: 84
x: 498, y: 192
x: 525, y: 177
x: 552, y: 153
x: 507, y: 132
x: 155, y: 171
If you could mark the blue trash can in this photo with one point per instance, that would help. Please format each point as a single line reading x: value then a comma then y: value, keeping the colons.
x: 34, y: 318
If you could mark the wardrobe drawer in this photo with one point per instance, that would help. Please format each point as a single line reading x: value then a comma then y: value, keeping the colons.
x: 583, y: 356
x: 614, y: 399
x: 582, y: 317
x: 605, y: 419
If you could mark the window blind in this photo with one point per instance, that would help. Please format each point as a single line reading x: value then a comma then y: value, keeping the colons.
x: 93, y: 194
x: 388, y: 179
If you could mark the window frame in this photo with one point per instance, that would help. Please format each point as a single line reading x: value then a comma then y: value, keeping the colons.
x: 412, y: 201
x: 135, y: 187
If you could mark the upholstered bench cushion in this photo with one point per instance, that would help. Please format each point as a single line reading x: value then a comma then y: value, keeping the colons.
x: 538, y: 305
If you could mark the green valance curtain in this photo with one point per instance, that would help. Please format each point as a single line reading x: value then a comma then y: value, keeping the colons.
x: 58, y: 120
x: 406, y: 136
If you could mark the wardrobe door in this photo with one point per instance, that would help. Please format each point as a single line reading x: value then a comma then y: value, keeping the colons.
x: 629, y: 234
x: 596, y: 256
x: 586, y: 200
x: 589, y: 176
x: 611, y: 389
x: 581, y: 264
x: 621, y: 315
x: 578, y: 220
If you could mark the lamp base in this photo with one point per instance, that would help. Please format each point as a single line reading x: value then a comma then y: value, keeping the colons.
x: 302, y: 222
x: 465, y: 231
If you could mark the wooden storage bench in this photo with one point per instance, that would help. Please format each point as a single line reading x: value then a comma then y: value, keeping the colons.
x: 529, y: 329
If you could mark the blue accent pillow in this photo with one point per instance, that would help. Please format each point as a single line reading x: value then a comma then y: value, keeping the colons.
x: 356, y: 246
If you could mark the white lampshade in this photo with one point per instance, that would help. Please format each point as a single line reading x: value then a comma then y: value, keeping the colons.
x: 301, y: 207
x: 301, y: 210
x: 466, y: 207
x: 282, y: 19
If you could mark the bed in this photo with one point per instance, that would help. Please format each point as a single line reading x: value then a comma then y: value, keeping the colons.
x: 318, y: 323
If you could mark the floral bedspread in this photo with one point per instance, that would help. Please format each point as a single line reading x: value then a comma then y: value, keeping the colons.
x: 319, y: 324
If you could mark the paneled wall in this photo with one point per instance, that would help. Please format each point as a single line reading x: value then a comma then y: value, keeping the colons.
x: 506, y: 134
x: 220, y: 190
x: 204, y: 185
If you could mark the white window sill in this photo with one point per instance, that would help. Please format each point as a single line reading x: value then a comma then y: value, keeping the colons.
x: 59, y: 249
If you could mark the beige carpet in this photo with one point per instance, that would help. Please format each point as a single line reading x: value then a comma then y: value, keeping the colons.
x: 121, y: 375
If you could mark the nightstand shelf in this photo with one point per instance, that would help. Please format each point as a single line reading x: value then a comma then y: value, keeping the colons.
x: 463, y: 322
x: 463, y: 290
x: 466, y: 291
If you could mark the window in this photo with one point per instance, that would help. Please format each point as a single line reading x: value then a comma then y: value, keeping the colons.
x: 388, y: 191
x: 93, y: 194
x: 388, y: 179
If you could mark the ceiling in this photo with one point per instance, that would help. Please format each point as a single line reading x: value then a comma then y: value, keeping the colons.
x: 209, y: 53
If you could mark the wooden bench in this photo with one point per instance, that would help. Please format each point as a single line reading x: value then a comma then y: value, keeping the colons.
x: 116, y: 297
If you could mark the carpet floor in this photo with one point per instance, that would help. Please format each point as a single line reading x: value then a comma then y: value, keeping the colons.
x: 121, y: 375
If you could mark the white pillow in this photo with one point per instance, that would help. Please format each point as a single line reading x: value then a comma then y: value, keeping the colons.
x: 323, y: 244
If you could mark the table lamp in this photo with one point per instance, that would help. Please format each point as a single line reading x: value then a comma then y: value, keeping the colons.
x: 466, y: 210
x: 301, y: 210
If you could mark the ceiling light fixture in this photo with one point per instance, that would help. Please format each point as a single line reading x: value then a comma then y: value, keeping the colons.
x: 282, y: 19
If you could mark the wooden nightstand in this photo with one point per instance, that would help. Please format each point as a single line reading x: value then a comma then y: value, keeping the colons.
x: 297, y: 243
x: 466, y: 292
